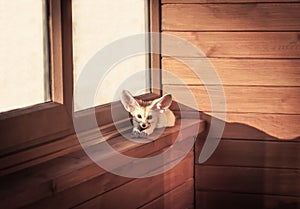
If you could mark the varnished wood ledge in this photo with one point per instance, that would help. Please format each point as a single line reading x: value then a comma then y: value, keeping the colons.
x: 73, y: 168
x: 15, y: 159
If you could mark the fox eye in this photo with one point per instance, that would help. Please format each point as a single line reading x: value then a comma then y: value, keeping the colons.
x: 149, y: 117
x: 139, y: 116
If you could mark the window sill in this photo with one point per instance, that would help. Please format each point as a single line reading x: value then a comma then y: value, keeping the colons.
x: 74, y: 168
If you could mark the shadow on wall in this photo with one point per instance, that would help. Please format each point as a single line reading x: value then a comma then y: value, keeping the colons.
x: 249, y: 169
x: 234, y: 130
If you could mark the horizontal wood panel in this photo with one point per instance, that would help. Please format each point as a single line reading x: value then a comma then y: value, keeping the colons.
x: 92, y: 181
x: 264, y: 72
x: 21, y: 160
x: 260, y: 126
x: 261, y: 112
x: 80, y: 193
x: 217, y: 200
x: 180, y: 197
x: 223, y: 1
x: 38, y: 154
x: 243, y: 99
x: 231, y: 17
x: 25, y: 125
x: 63, y: 173
x: 248, y: 180
x: 86, y: 190
x: 234, y: 44
x: 141, y: 191
x: 244, y: 153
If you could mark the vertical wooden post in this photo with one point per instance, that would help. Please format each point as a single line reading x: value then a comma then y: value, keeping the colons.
x: 155, y: 45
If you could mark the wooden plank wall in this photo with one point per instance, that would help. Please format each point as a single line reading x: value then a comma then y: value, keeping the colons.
x: 254, y: 47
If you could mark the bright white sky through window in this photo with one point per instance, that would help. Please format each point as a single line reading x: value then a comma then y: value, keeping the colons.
x: 24, y: 74
x: 97, y: 23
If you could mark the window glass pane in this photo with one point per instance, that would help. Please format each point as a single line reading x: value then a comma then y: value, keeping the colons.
x: 24, y: 74
x: 96, y: 23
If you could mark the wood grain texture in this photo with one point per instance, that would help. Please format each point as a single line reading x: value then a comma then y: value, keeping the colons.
x: 136, y: 193
x: 25, y: 125
x: 249, y: 180
x: 231, y: 17
x: 235, y: 44
x: 254, y: 47
x: 48, y: 180
x: 223, y: 1
x: 85, y: 190
x: 242, y: 99
x: 254, y: 154
x: 262, y: 112
x: 67, y: 51
x: 30, y: 157
x: 256, y: 126
x: 29, y: 154
x: 254, y: 72
x: 80, y: 193
x: 41, y: 123
x: 55, y: 45
x: 217, y: 200
x: 262, y: 126
x: 170, y: 200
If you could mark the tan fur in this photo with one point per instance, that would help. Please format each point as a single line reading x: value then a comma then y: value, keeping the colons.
x: 148, y: 115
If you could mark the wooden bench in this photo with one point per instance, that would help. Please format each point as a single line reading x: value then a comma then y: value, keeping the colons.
x: 68, y: 178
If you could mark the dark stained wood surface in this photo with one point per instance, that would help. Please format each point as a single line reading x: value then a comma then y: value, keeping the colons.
x: 136, y: 193
x: 268, y: 181
x: 170, y: 200
x: 259, y: 154
x: 46, y: 184
x: 213, y: 200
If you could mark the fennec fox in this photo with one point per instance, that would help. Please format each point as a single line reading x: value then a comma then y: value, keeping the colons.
x: 148, y: 115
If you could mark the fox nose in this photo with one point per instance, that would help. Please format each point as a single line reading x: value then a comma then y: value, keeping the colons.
x: 143, y: 125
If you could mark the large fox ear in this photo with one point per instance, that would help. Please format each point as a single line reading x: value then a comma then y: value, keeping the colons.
x: 129, y: 103
x: 162, y: 103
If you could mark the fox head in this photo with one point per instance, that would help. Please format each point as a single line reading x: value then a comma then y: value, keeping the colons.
x: 145, y: 113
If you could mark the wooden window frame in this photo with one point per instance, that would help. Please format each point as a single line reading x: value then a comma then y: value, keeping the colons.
x: 155, y: 59
x: 103, y: 112
x: 33, y: 126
